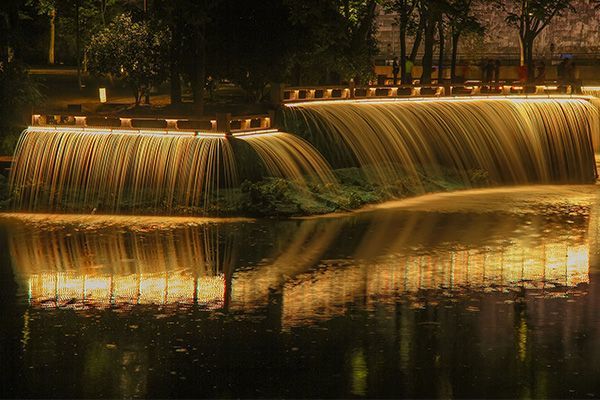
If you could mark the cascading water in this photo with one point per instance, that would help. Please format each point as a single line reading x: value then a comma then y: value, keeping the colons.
x: 515, y: 141
x: 591, y: 91
x: 287, y: 156
x: 395, y: 142
x: 83, y: 170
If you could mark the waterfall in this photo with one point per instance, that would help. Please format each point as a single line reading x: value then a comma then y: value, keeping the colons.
x: 83, y: 170
x: 400, y: 145
x: 515, y: 141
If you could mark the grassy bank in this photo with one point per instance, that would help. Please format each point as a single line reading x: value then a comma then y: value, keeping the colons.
x: 277, y: 197
x: 281, y: 198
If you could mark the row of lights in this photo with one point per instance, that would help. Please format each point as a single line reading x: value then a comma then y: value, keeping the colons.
x: 294, y: 94
x: 80, y: 125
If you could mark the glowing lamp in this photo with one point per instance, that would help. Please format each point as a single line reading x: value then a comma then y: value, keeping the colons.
x: 102, y: 94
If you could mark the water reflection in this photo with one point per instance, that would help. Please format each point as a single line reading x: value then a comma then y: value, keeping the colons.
x: 383, y: 304
x: 73, y: 268
x: 386, y: 256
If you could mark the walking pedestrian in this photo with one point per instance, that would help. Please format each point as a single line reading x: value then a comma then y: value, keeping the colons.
x: 488, y: 71
x: 573, y: 77
x: 540, y: 75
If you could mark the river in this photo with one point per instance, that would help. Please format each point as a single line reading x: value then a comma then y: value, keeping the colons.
x: 483, y: 293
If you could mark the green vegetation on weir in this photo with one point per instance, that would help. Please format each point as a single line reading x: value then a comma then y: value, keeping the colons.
x: 278, y: 197
x: 282, y: 198
x: 4, y: 193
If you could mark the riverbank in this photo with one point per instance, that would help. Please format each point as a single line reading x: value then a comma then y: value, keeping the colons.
x: 282, y: 198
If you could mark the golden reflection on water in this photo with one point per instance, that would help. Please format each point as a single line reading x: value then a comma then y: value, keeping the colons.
x: 319, y: 267
x: 326, y: 293
x: 64, y: 289
x: 76, y: 269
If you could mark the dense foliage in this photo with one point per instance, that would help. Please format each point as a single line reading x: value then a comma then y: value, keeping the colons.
x: 131, y: 51
x: 251, y: 43
x: 18, y: 94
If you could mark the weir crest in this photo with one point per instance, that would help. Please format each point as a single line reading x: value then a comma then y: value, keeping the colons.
x: 510, y: 140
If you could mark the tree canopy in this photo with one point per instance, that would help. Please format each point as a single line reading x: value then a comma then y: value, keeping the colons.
x: 530, y: 18
x: 253, y: 42
x: 129, y: 50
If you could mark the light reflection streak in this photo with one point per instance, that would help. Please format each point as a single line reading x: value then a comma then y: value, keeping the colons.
x: 72, y: 290
x: 326, y: 293
x: 81, y: 269
x: 312, y: 264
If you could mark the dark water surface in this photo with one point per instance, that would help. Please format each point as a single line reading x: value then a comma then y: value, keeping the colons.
x: 478, y: 294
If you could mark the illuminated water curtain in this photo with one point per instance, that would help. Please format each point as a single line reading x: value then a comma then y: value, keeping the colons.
x: 510, y: 140
x: 514, y: 140
x: 85, y: 170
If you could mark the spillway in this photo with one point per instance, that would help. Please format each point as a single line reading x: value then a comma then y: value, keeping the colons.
x: 513, y: 140
x: 507, y: 140
x: 68, y: 169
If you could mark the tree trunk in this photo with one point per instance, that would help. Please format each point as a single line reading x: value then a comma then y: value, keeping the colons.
x: 12, y: 31
x: 428, y: 50
x: 442, y: 48
x: 103, y: 11
x: 521, y: 51
x: 52, y: 36
x: 174, y: 71
x: 529, y: 60
x: 5, y: 42
x: 175, y: 82
x: 137, y: 94
x: 78, y: 44
x: 418, y: 39
x: 403, y: 53
x: 199, y: 75
x: 16, y: 31
x: 455, y: 39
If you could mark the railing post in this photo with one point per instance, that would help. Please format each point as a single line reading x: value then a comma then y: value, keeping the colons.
x: 277, y: 93
x: 272, y: 124
x: 224, y: 123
